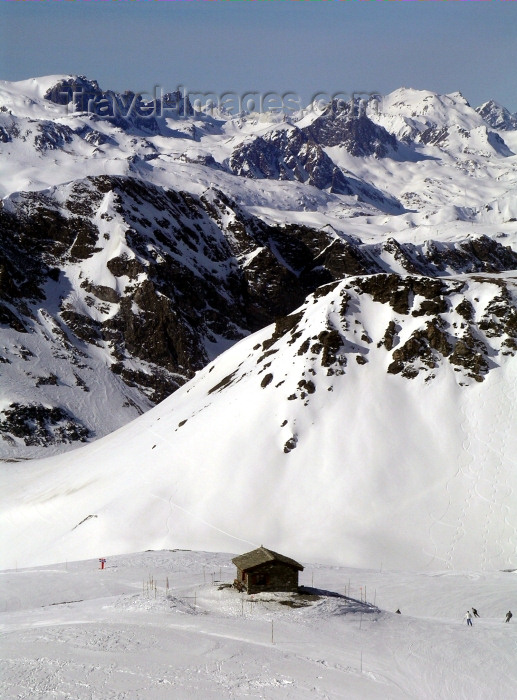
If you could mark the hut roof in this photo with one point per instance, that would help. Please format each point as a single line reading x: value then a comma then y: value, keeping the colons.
x: 262, y: 556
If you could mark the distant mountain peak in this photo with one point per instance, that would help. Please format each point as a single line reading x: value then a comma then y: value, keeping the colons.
x: 497, y: 116
x: 138, y: 247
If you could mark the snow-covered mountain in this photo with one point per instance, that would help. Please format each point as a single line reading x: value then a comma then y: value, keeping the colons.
x: 112, y: 288
x: 137, y: 248
x: 497, y: 116
x: 324, y: 304
x: 378, y: 419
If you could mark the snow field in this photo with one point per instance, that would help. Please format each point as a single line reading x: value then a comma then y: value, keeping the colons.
x: 71, y: 630
x: 434, y: 489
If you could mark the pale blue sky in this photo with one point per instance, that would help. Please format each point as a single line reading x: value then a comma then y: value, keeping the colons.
x: 303, y: 47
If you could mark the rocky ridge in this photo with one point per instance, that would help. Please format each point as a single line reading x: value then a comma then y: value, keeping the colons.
x: 128, y: 284
x: 497, y: 116
x: 430, y: 326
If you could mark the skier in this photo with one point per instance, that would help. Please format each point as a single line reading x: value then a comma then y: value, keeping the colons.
x: 508, y: 616
x: 468, y: 617
x: 398, y: 612
x: 475, y: 612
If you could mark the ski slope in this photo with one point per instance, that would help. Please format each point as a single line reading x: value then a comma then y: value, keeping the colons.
x: 369, y: 467
x: 71, y: 630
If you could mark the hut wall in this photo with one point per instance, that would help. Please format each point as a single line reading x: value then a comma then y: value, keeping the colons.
x: 272, y: 576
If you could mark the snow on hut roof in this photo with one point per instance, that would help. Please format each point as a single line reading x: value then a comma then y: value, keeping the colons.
x: 262, y: 556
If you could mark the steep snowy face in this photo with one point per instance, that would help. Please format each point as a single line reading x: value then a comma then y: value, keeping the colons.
x: 372, y: 424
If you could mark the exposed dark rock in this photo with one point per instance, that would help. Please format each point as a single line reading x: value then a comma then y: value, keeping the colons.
x: 390, y: 336
x: 83, y: 198
x: 52, y: 136
x: 46, y: 381
x: 331, y: 343
x: 289, y: 155
x: 36, y: 424
x: 345, y: 124
x: 84, y: 327
x: 500, y: 317
x: 101, y: 292
x: 497, y: 116
x: 435, y: 136
x: 156, y: 386
x: 124, y: 265
x: 282, y: 327
x: 430, y: 307
x: 482, y: 254
x: 9, y: 318
x: 306, y: 386
x: 291, y: 444
x: 470, y: 354
x: 226, y: 381
x: 403, y: 255
x: 94, y: 137
x: 268, y: 378
x: 490, y: 253
x: 465, y: 309
x: 175, y: 103
x: 388, y: 289
x: 77, y: 90
x: 418, y: 349
x: 125, y: 110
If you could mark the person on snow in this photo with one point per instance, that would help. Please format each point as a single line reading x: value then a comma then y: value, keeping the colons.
x: 475, y: 612
x: 508, y: 616
x: 398, y: 612
x: 468, y: 617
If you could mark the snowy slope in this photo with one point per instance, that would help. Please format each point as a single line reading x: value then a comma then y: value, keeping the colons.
x: 357, y: 430
x: 377, y: 420
x: 72, y: 630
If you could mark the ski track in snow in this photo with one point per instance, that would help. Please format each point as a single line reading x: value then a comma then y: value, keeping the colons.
x: 507, y: 519
x: 464, y: 474
x: 483, y: 483
x: 455, y: 521
x: 496, y: 483
x: 168, y: 530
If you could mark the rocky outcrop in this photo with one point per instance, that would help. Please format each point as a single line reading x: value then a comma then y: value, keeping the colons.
x: 497, y: 116
x: 437, y: 327
x: 124, y: 110
x: 346, y: 124
x: 192, y: 273
x: 288, y: 154
x: 295, y: 154
x: 36, y: 424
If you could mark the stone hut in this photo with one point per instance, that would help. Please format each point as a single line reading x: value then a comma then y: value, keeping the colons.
x: 264, y: 570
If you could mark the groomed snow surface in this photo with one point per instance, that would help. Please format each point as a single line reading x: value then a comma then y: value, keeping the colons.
x: 164, y: 625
